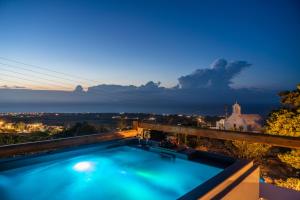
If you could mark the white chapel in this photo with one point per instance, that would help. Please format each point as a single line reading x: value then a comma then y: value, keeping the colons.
x: 240, y: 122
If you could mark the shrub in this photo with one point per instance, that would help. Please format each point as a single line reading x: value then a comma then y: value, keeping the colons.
x: 292, y: 158
x: 291, y: 183
x: 250, y: 150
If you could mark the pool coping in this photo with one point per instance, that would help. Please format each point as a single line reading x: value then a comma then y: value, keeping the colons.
x: 214, y: 188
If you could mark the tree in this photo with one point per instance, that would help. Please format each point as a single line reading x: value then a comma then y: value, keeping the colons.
x: 286, y: 121
x: 291, y: 98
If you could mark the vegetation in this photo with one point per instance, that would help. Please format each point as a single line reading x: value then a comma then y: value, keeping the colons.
x: 13, y: 138
x: 291, y: 183
x: 286, y: 121
x: 291, y: 98
x: 78, y: 129
x: 292, y: 158
x: 250, y: 150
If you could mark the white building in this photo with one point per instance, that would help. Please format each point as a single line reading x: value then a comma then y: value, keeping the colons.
x: 220, y: 124
x: 239, y: 121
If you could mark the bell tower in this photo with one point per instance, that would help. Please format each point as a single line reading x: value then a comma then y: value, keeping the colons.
x: 236, y: 109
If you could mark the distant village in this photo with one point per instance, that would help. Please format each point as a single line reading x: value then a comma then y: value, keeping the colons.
x: 22, y: 127
x: 57, y: 122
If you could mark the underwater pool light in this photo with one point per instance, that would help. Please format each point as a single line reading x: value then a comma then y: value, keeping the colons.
x: 123, y: 172
x: 83, y: 166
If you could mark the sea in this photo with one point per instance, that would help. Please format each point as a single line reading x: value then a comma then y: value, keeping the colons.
x: 201, y: 109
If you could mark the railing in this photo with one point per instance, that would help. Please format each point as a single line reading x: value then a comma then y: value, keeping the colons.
x: 274, y: 140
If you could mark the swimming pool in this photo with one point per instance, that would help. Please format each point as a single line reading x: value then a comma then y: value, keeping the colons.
x: 106, y: 173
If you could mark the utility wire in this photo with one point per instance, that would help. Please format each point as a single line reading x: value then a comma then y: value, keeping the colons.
x: 33, y: 83
x: 50, y: 70
x: 54, y: 83
x: 4, y: 81
x: 41, y: 73
x: 24, y: 79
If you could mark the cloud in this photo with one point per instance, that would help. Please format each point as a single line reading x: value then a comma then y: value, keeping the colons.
x: 219, y: 76
x: 203, y: 87
x: 150, y: 86
x: 12, y: 87
x: 79, y: 89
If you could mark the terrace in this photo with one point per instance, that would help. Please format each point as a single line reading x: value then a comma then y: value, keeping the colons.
x: 196, y: 174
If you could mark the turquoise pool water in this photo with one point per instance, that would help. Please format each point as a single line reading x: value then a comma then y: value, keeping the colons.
x: 116, y: 173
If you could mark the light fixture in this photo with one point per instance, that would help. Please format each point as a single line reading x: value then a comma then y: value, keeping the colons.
x: 83, y: 166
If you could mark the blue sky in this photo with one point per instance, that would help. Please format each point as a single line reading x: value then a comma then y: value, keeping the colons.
x: 132, y: 42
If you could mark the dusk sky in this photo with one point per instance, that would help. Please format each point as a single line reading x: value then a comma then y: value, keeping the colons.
x: 132, y: 42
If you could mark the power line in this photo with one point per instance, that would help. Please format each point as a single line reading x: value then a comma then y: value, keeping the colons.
x: 47, y: 69
x: 54, y: 84
x: 41, y: 73
x: 13, y: 82
x: 47, y: 79
x: 24, y: 79
x: 33, y: 83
